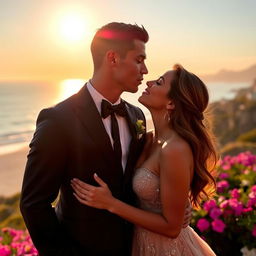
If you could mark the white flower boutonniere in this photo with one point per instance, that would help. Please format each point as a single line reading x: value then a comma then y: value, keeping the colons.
x: 140, y: 128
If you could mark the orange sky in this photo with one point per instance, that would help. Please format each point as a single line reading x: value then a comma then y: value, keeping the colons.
x: 49, y: 40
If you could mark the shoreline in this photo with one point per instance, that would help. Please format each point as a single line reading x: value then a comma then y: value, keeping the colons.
x: 12, y: 167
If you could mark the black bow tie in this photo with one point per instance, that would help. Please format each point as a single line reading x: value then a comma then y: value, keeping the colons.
x: 108, y: 109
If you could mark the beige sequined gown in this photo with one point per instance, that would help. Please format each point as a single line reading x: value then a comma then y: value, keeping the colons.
x: 147, y: 243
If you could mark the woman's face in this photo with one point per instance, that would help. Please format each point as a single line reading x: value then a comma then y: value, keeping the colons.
x: 155, y: 95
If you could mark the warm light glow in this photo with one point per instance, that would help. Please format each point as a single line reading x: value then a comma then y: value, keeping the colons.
x: 73, y: 27
x: 69, y: 87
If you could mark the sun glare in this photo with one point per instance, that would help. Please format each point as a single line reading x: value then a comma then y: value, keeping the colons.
x: 69, y: 87
x: 73, y: 27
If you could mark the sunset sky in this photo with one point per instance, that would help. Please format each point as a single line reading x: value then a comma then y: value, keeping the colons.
x: 50, y: 39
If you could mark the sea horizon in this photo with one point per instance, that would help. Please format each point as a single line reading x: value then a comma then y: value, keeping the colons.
x: 21, y: 102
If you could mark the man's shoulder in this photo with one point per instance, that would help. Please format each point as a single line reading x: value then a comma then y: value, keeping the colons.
x: 59, y: 111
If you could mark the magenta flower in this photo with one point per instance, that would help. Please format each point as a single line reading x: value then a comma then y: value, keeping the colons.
x: 5, y: 250
x: 208, y: 205
x: 249, y: 209
x: 223, y: 175
x: 254, y: 231
x: 253, y: 188
x: 218, y: 225
x: 251, y: 202
x: 215, y: 213
x: 226, y: 166
x: 236, y: 206
x: 222, y: 186
x: 235, y: 193
x: 224, y: 204
x: 203, y: 224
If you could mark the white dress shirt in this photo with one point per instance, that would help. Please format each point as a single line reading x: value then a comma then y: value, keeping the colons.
x: 125, y: 136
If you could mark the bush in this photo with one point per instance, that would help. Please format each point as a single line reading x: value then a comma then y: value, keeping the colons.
x: 228, y: 221
x: 248, y: 137
x: 16, y: 243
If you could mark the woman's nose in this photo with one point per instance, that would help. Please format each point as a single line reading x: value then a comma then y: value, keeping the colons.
x: 149, y: 83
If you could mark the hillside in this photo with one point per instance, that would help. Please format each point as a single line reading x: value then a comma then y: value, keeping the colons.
x: 224, y: 75
x: 235, y: 118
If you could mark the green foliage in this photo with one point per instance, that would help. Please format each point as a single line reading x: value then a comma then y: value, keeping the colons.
x: 10, y: 215
x: 13, y: 221
x: 248, y: 137
x: 234, y: 148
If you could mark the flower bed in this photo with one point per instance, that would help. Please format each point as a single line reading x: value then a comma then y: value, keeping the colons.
x: 228, y: 221
x: 16, y: 243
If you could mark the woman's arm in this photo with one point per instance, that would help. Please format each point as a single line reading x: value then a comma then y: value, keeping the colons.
x: 174, y: 188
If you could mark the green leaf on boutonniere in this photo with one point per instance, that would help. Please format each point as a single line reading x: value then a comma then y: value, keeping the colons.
x: 140, y: 128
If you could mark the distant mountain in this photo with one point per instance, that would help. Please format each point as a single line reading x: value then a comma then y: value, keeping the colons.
x: 224, y: 75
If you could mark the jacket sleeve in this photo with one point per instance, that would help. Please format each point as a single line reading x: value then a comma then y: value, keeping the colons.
x: 42, y: 179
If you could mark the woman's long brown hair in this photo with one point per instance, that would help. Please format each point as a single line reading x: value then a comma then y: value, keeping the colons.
x: 190, y: 97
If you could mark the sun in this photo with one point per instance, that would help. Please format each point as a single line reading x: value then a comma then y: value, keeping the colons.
x: 73, y: 27
x: 70, y: 86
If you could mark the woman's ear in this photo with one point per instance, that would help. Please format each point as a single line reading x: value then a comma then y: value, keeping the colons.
x: 170, y: 105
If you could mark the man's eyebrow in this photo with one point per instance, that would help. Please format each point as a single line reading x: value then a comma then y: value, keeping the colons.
x: 143, y: 56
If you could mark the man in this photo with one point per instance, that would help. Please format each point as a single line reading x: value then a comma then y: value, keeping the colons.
x: 83, y: 135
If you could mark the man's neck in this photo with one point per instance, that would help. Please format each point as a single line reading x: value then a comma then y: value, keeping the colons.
x: 106, y: 89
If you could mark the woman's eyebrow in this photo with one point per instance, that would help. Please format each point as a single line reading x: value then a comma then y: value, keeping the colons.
x: 161, y: 77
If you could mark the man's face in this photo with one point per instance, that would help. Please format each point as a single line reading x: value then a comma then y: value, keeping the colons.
x: 130, y: 69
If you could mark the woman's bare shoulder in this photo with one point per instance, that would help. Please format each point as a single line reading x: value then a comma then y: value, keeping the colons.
x: 177, y: 148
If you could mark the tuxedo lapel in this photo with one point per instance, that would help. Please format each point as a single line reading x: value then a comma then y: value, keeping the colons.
x: 131, y: 120
x: 88, y: 114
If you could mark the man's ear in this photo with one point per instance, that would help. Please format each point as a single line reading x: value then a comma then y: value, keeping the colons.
x: 170, y: 105
x: 111, y: 57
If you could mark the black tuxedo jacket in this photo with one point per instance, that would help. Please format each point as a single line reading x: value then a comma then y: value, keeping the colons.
x: 71, y: 141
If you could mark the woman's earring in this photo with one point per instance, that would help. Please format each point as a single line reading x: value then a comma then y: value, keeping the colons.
x: 167, y: 116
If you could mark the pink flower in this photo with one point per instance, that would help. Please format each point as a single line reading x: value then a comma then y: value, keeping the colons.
x: 215, y: 213
x: 222, y: 185
x: 249, y: 209
x: 236, y: 206
x: 226, y: 166
x: 203, y: 224
x: 221, y: 199
x: 5, y: 250
x: 224, y: 204
x: 253, y: 188
x: 223, y: 175
x: 218, y: 225
x: 254, y: 231
x: 208, y: 205
x: 251, y: 202
x: 235, y: 193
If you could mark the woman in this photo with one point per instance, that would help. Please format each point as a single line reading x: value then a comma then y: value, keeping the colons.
x: 175, y: 165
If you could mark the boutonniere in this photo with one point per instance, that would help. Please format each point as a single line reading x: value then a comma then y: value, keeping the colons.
x: 140, y: 128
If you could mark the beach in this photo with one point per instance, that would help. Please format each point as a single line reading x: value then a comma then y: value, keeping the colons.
x: 12, y: 167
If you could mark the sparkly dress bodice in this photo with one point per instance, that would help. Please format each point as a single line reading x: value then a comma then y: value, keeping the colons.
x: 146, y: 185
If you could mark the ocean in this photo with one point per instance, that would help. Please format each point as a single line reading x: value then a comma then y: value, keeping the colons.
x: 20, y: 103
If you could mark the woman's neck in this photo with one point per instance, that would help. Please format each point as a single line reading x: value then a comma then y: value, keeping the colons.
x: 163, y: 130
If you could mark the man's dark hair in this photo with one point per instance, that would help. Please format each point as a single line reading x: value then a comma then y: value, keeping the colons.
x: 116, y: 36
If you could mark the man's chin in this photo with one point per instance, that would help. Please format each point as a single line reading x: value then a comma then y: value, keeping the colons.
x: 133, y: 90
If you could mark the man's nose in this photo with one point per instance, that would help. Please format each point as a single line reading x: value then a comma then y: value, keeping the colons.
x: 144, y: 69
